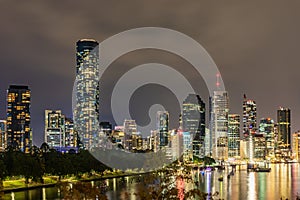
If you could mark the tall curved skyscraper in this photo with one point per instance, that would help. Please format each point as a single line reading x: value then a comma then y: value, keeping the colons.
x: 193, y: 121
x: 86, y: 112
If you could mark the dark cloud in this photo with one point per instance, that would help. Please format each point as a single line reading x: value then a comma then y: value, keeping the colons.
x: 254, y: 43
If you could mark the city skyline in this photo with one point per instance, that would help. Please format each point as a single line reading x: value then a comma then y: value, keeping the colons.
x: 149, y: 99
x: 47, y: 58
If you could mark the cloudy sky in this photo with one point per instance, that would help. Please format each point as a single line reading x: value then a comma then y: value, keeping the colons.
x: 255, y: 45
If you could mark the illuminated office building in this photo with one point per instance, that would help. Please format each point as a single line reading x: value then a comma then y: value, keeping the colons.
x: 266, y: 128
x: 118, y: 136
x: 54, y: 128
x: 70, y: 134
x: 207, y: 142
x: 187, y: 147
x: 284, y: 127
x: 59, y: 130
x: 106, y: 128
x: 233, y: 135
x: 162, y: 118
x: 249, y: 125
x: 86, y: 112
x: 130, y: 128
x: 259, y: 146
x: 219, y: 124
x: 193, y: 121
x: 177, y: 145
x: 18, y: 118
x: 137, y: 141
x: 249, y: 117
x: 3, y: 135
x: 296, y: 146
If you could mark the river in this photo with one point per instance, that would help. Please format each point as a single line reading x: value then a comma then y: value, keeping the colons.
x: 282, y: 182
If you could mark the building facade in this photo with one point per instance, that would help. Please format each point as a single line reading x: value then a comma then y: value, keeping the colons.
x: 259, y: 144
x: 71, y: 139
x: 284, y: 128
x: 249, y: 117
x: 266, y: 128
x: 3, y: 135
x: 86, y: 111
x: 54, y: 128
x: 130, y: 128
x: 187, y: 147
x: 249, y: 125
x: 219, y: 124
x: 18, y: 118
x: 193, y: 121
x: 296, y: 146
x: 162, y: 120
x: 233, y: 135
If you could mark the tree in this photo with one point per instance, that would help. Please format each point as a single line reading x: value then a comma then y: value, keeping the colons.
x: 3, y: 171
x: 45, y: 148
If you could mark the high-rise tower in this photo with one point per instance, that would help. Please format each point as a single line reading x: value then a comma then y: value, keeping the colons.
x: 266, y: 128
x: 54, y: 128
x: 233, y: 135
x: 219, y: 124
x: 130, y: 128
x: 86, y: 112
x: 249, y: 117
x: 163, y: 127
x: 284, y: 127
x: 249, y: 125
x: 193, y: 121
x: 18, y: 117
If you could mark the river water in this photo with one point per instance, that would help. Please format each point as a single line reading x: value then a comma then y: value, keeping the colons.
x: 282, y: 182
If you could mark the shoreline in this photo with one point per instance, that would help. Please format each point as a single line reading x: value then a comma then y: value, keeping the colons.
x: 47, y: 185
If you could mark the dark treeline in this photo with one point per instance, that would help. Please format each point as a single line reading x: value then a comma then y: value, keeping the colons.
x: 44, y: 161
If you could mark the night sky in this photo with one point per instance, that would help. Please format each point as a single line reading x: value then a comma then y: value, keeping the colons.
x: 255, y: 44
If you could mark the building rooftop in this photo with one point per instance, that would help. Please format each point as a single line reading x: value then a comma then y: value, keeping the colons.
x: 18, y: 87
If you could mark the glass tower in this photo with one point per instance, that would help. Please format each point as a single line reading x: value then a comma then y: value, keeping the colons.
x: 266, y: 127
x: 284, y: 127
x: 18, y: 118
x: 219, y: 124
x: 163, y: 127
x: 193, y: 121
x: 233, y: 135
x: 86, y: 112
x: 249, y: 117
x: 249, y: 125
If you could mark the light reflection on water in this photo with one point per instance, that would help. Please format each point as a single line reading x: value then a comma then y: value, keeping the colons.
x: 282, y: 182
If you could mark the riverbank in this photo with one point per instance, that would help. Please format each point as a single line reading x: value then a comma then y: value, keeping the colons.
x: 51, y: 181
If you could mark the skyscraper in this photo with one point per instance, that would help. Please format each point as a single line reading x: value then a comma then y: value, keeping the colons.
x: 259, y: 146
x: 284, y: 127
x: 130, y: 128
x: 54, y: 128
x: 219, y: 124
x: 3, y: 135
x: 86, y: 112
x: 163, y: 127
x: 249, y: 125
x: 70, y: 133
x: 193, y: 121
x: 266, y: 128
x: 233, y: 135
x: 18, y: 118
x: 249, y: 117
x: 296, y: 145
